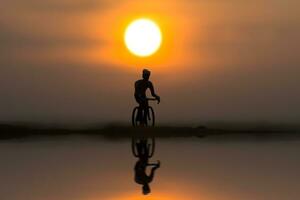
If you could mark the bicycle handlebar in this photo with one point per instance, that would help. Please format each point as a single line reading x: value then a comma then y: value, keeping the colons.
x: 153, y: 99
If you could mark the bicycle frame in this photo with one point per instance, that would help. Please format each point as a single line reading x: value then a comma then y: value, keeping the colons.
x: 150, y: 112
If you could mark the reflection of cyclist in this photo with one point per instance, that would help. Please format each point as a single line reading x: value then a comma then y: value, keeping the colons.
x: 141, y: 165
x: 140, y: 94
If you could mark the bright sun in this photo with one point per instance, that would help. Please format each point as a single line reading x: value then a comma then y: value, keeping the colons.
x: 143, y: 37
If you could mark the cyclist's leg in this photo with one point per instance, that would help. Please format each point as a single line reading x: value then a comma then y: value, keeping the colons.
x: 146, y: 147
x: 139, y: 116
x: 145, y: 109
x: 139, y: 149
x: 143, y: 149
x: 140, y: 109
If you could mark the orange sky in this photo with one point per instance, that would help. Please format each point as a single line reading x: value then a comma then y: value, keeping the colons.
x: 215, y: 56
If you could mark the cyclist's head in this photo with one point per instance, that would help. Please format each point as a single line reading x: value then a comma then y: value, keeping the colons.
x: 146, y: 74
x: 146, y: 189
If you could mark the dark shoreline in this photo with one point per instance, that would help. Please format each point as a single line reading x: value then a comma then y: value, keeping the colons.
x: 119, y: 131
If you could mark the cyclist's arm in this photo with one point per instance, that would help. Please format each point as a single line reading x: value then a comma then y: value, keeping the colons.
x: 135, y: 85
x: 152, y: 90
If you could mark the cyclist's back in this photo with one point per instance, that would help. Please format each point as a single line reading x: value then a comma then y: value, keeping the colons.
x: 141, y: 87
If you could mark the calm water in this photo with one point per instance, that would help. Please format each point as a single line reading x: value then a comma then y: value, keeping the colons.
x: 79, y: 168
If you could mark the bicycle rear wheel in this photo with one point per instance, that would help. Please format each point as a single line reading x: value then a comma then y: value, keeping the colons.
x: 134, y: 116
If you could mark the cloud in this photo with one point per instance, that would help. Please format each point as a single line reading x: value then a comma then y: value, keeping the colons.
x: 19, y: 46
x: 16, y: 39
x: 69, y: 5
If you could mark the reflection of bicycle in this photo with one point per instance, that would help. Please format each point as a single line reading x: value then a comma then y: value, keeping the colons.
x: 149, y: 119
x: 143, y: 147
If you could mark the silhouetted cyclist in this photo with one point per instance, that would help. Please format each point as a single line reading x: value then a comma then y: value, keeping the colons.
x: 141, y: 165
x: 141, y: 87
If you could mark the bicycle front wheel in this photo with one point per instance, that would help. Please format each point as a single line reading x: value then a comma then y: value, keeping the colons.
x: 150, y: 117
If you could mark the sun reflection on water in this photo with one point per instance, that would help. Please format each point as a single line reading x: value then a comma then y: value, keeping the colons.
x: 156, y: 196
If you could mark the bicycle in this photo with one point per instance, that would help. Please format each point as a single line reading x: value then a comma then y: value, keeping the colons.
x: 150, y: 118
x: 143, y: 147
x: 147, y: 144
